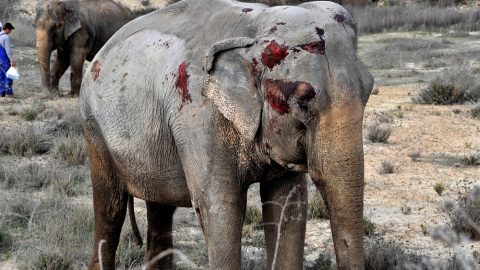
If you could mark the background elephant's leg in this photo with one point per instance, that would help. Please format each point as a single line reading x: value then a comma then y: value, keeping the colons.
x: 292, y: 238
x: 110, y: 205
x: 61, y: 64
x: 159, y: 235
x: 77, y: 58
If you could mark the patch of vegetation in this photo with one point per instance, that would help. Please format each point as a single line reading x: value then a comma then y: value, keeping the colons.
x: 371, y: 19
x: 317, y: 208
x: 73, y: 149
x: 384, y: 255
x: 253, y: 216
x: 5, y: 237
x: 24, y: 141
x: 379, y: 132
x: 457, y: 111
x: 323, y: 262
x: 368, y: 227
x: 472, y: 159
x: 439, y: 188
x: 406, y: 210
x: 53, y: 261
x: 414, y: 155
x: 387, y: 167
x: 253, y: 220
x: 19, y: 210
x: 375, y: 91
x: 465, y: 218
x: 475, y: 112
x: 31, y: 112
x: 424, y: 229
x: 453, y: 86
x: 129, y: 256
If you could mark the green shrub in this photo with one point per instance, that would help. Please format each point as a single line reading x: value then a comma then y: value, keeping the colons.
x: 252, y: 216
x: 368, y: 227
x: 439, y: 187
x: 375, y: 91
x: 317, y: 208
x: 379, y: 133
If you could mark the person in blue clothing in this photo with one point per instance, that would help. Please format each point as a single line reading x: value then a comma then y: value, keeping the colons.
x: 6, y: 59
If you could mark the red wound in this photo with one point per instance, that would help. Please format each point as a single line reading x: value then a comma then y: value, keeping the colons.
x: 317, y: 47
x: 182, y: 84
x: 96, y: 70
x: 274, y: 54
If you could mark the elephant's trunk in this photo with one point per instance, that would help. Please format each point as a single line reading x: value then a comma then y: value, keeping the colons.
x: 336, y: 165
x: 44, y: 51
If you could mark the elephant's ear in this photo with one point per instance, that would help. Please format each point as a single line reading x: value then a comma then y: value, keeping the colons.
x: 72, y: 24
x: 231, y: 85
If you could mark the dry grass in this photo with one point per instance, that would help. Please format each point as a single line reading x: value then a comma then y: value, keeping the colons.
x: 372, y: 19
x: 455, y: 85
x: 465, y: 218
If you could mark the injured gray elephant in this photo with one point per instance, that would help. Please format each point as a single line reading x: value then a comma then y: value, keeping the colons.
x: 191, y: 104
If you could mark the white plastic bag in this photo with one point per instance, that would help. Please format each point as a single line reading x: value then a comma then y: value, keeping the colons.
x: 12, y: 73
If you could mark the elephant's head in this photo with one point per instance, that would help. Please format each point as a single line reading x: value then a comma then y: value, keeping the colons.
x: 55, y: 22
x: 299, y: 91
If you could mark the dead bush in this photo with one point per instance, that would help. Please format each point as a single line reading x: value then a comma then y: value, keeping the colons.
x: 379, y: 132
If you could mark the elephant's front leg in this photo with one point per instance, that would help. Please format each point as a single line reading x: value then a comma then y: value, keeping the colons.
x: 221, y: 215
x: 220, y: 207
x: 285, y: 205
x: 61, y: 64
x: 77, y: 58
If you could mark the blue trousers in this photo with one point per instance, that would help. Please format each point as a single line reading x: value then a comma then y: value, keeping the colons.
x: 5, y: 83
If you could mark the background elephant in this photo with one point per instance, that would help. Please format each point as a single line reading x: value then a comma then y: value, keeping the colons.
x: 189, y: 105
x: 77, y: 30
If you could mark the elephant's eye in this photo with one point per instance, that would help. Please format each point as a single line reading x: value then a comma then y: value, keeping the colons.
x: 303, y: 104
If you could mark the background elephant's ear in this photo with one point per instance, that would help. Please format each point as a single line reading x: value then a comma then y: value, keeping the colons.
x: 231, y: 85
x: 72, y: 24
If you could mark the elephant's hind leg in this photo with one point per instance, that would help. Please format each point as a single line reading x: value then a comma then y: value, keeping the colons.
x: 159, y: 235
x: 110, y: 205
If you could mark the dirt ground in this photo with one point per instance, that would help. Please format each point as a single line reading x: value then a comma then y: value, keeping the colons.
x: 441, y: 136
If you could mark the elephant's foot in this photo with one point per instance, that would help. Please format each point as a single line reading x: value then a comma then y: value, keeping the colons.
x: 72, y: 94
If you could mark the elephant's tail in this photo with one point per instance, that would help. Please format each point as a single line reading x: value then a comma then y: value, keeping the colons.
x: 133, y: 222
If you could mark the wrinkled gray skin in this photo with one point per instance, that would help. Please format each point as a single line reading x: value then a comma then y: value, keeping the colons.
x: 189, y: 105
x: 77, y: 30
